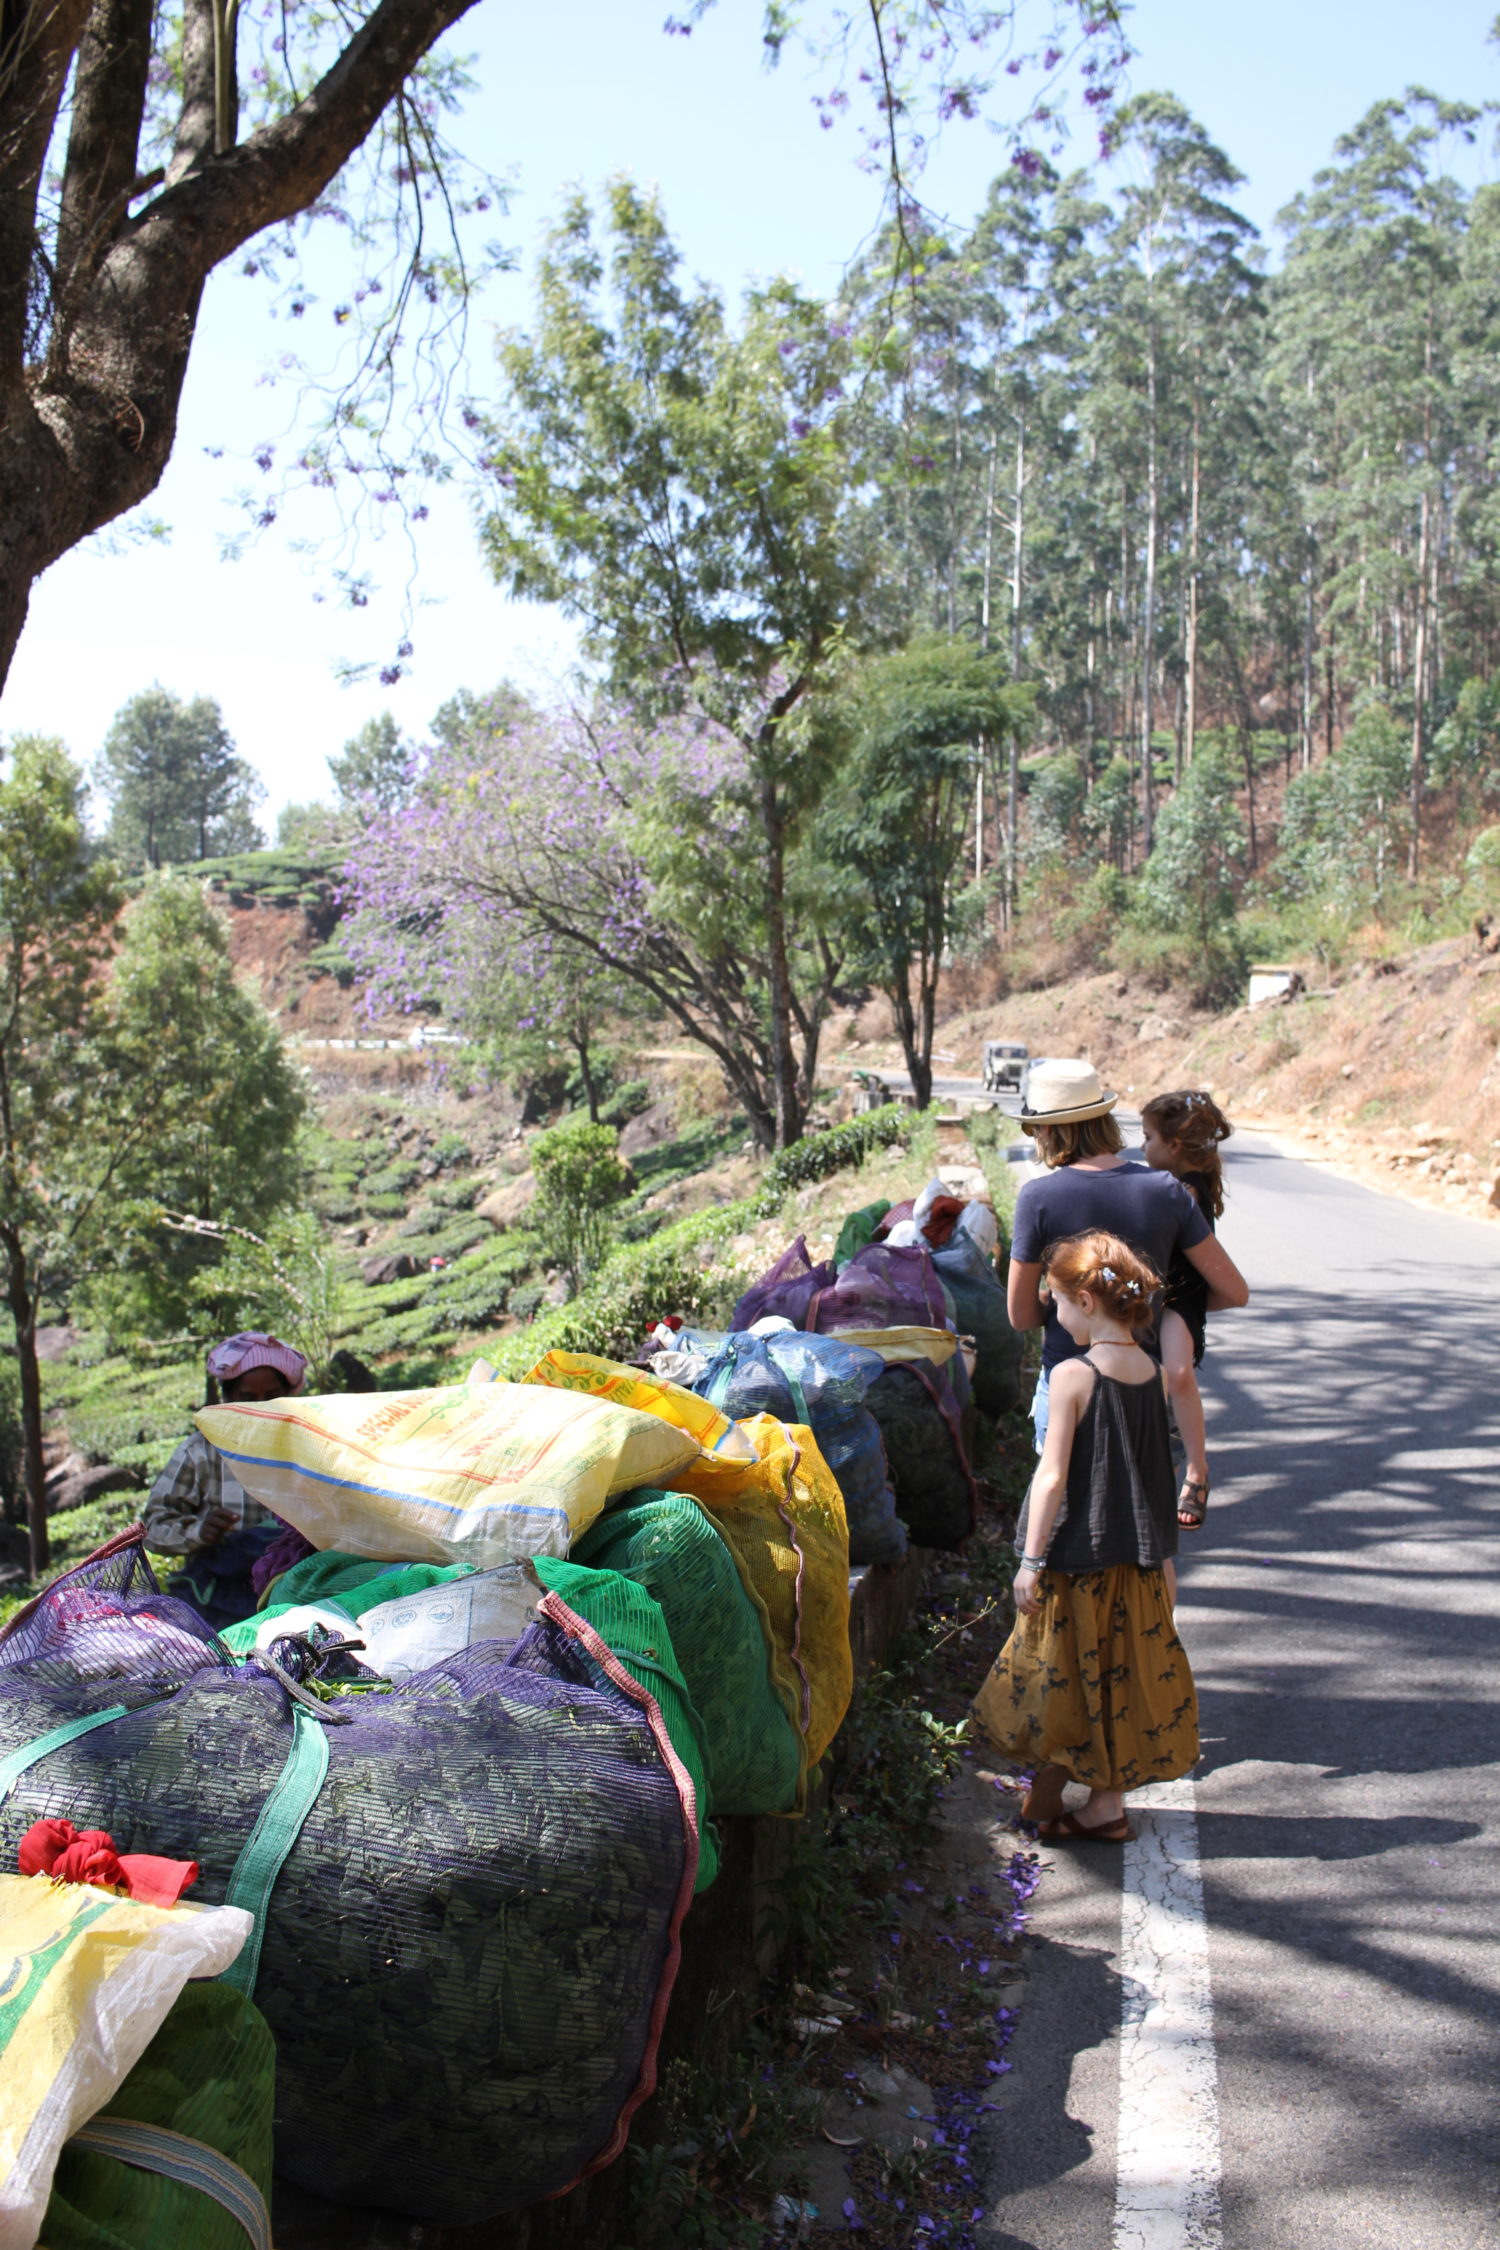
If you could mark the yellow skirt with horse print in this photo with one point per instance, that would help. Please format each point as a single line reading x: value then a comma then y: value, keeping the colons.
x: 1097, y: 1682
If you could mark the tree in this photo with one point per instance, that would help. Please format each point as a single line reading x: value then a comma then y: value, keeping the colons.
x: 895, y: 828
x: 100, y: 291
x: 579, y: 1176
x: 225, y: 1120
x: 102, y: 275
x: 176, y: 788
x: 1198, y: 854
x: 58, y: 909
x: 1347, y: 819
x: 687, y: 493
x: 373, y: 771
x: 590, y: 842
x: 123, y: 1067
x: 1372, y: 310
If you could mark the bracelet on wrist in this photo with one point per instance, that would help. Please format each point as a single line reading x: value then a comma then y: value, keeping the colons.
x: 1033, y: 1562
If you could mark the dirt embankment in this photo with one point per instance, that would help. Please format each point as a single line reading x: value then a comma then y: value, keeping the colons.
x: 1392, y: 1073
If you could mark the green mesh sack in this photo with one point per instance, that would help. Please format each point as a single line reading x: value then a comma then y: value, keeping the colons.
x: 338, y: 1581
x: 666, y: 1543
x: 633, y: 1629
x: 210, y: 2075
x: 334, y: 1577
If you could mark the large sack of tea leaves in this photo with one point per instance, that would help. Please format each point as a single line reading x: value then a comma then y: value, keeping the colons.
x: 467, y: 1890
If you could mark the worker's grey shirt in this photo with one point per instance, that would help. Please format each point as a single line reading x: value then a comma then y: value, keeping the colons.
x: 194, y: 1482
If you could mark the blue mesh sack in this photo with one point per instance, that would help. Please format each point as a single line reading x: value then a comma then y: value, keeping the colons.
x: 468, y: 1890
x: 821, y: 1382
x: 979, y: 1311
x: 752, y: 1738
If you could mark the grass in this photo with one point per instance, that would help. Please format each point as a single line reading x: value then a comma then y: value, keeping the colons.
x: 875, y: 1925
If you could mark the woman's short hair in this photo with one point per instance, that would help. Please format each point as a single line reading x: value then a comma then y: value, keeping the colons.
x: 1120, y: 1281
x: 1066, y: 1144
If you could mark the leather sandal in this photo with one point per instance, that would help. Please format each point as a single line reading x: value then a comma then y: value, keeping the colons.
x: 1069, y: 1829
x: 1192, y: 1503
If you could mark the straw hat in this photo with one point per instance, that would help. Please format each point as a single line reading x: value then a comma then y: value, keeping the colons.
x: 1064, y: 1093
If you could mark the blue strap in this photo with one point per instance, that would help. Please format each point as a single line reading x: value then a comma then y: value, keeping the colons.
x: 799, y: 1395
x: 17, y: 1762
x: 253, y: 1879
x: 193, y: 2164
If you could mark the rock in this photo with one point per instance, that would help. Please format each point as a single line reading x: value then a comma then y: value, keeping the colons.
x: 396, y: 1265
x: 1160, y: 1027
x: 505, y: 1206
x: 649, y: 1129
x: 54, y: 1343
x: 78, y: 1487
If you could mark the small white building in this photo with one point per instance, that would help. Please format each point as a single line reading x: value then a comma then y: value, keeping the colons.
x: 1269, y: 982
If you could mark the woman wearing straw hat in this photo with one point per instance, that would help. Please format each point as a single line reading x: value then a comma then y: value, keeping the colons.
x: 1089, y: 1186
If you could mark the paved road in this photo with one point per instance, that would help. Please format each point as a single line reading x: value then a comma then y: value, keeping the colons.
x: 1342, y: 1613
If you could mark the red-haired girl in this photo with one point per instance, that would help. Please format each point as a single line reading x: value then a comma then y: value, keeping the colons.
x: 1093, y: 1685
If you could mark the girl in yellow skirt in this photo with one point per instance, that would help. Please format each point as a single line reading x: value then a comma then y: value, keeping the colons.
x: 1093, y: 1685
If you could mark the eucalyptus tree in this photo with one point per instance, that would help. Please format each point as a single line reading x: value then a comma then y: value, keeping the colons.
x: 1369, y: 324
x: 1177, y: 248
x: 893, y: 827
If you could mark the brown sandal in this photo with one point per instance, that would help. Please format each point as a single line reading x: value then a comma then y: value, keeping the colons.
x: 1069, y: 1829
x: 1192, y: 1503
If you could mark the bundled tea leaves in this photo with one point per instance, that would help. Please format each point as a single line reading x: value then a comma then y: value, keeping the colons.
x: 466, y: 1948
x: 924, y: 1445
x: 747, y: 1705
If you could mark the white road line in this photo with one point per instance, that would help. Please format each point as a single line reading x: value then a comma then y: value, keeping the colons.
x: 1167, y: 2196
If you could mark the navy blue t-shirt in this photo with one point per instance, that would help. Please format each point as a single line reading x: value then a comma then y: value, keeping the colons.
x: 1151, y: 1212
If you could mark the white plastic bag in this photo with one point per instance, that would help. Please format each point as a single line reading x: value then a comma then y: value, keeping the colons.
x: 86, y: 1980
x: 418, y: 1630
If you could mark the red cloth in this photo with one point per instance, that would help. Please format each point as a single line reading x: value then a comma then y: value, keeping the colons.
x: 942, y: 1219
x: 58, y: 1849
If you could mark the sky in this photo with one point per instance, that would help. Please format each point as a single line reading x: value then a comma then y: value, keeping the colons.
x: 750, y: 187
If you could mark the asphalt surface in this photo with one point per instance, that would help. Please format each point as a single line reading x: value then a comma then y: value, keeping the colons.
x: 1341, y: 1609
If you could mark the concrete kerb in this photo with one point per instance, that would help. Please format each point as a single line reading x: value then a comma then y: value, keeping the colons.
x: 732, y: 1943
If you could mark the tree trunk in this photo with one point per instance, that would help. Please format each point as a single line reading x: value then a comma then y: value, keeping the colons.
x: 580, y: 1038
x: 1148, y: 596
x: 1190, y: 650
x: 87, y: 436
x: 22, y: 1298
x: 1307, y: 662
x: 783, y: 1062
x: 1419, y: 655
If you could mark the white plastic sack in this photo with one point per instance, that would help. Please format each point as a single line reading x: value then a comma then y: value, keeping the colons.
x: 86, y: 1980
x: 418, y: 1630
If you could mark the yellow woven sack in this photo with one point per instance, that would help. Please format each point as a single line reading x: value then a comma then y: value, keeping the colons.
x: 86, y: 1980
x: 898, y: 1347
x: 483, y: 1473
x: 782, y: 1515
x: 647, y: 1394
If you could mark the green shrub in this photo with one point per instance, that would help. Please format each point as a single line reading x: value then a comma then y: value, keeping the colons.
x: 392, y: 1179
x: 579, y: 1177
x: 820, y: 1155
x: 675, y: 1272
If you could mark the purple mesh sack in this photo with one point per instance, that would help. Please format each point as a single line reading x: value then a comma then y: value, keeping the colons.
x: 786, y: 1291
x: 467, y: 1952
x: 107, y: 1619
x: 880, y: 1288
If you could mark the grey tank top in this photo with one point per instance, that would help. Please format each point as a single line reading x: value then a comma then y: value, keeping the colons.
x: 1121, y: 1501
